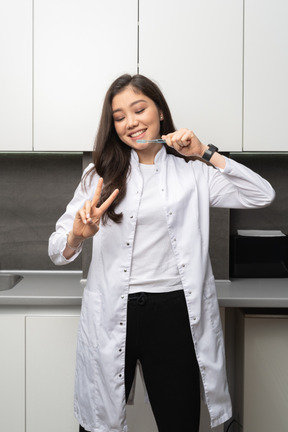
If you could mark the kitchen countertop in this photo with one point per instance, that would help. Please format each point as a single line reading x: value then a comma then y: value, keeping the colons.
x: 45, y: 288
x: 253, y: 293
x: 56, y: 288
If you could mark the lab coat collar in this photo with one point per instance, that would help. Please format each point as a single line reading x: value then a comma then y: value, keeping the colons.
x: 159, y: 158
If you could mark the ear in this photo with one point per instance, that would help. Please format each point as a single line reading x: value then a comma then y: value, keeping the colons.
x: 161, y: 116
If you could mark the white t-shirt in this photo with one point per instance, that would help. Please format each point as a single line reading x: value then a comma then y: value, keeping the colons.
x: 154, y: 266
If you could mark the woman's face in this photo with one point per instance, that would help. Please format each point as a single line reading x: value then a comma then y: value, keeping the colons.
x: 136, y: 117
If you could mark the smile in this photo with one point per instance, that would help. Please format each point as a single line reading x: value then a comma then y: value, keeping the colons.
x: 138, y: 133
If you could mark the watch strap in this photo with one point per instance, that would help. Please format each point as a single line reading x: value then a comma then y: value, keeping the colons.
x: 209, y: 152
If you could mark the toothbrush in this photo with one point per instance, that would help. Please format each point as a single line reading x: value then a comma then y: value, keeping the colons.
x: 151, y: 141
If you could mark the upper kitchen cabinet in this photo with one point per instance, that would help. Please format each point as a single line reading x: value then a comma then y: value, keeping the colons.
x: 80, y: 47
x: 193, y: 50
x: 16, y: 75
x: 265, y: 75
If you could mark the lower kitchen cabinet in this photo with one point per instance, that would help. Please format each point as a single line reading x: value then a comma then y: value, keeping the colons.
x: 50, y: 368
x: 265, y: 373
x: 12, y: 373
x: 37, y: 366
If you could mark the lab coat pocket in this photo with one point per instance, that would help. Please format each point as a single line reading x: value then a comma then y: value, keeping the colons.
x: 90, y: 321
x: 211, y: 306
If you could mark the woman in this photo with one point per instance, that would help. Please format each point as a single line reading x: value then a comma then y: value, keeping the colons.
x: 150, y: 296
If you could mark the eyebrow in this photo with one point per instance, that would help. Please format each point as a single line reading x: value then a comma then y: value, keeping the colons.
x: 132, y: 104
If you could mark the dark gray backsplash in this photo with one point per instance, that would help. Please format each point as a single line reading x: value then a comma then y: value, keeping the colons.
x: 36, y: 187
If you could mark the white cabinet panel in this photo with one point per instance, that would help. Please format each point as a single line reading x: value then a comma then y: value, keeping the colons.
x: 16, y: 75
x: 265, y: 75
x: 265, y: 374
x: 193, y: 49
x: 12, y: 373
x: 80, y: 47
x: 50, y: 370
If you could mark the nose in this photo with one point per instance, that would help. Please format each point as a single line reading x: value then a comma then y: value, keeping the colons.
x: 131, y: 121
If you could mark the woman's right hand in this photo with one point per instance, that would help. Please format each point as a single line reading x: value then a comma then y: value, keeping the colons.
x: 87, y: 219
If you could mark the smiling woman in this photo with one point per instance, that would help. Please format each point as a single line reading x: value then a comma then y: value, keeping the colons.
x: 150, y: 271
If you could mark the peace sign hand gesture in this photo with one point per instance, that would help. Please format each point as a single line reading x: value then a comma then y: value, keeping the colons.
x: 87, y: 219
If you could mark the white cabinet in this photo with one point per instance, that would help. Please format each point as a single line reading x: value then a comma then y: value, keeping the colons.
x: 50, y: 369
x: 193, y: 49
x: 265, y: 374
x: 37, y: 368
x: 79, y: 49
x: 16, y: 75
x: 265, y: 75
x: 12, y: 373
x: 59, y: 57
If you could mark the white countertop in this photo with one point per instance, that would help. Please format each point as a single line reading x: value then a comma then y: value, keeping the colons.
x: 47, y: 288
x: 254, y: 293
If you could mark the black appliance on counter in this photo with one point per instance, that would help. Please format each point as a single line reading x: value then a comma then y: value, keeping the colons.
x: 258, y: 254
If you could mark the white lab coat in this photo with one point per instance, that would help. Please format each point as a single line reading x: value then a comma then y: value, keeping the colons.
x: 188, y: 190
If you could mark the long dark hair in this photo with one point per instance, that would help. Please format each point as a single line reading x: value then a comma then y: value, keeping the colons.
x: 111, y: 156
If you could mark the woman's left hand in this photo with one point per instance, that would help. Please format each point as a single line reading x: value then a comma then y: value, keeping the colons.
x: 185, y: 142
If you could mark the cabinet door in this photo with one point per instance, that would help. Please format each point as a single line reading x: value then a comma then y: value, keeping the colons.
x: 16, y: 75
x: 50, y: 369
x: 193, y: 50
x: 265, y: 75
x: 265, y: 374
x: 12, y: 373
x: 79, y: 49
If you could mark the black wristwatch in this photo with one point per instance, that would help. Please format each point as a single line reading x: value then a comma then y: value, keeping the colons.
x: 209, y: 152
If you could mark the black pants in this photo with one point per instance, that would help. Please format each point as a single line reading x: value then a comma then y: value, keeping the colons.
x: 159, y: 336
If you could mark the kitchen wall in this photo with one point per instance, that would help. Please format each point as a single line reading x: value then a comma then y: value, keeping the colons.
x: 36, y: 187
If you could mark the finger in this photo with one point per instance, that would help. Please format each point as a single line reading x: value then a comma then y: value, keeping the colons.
x: 186, y: 138
x: 83, y: 216
x: 174, y: 139
x: 87, y: 209
x: 108, y: 202
x: 97, y: 194
x: 167, y: 139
